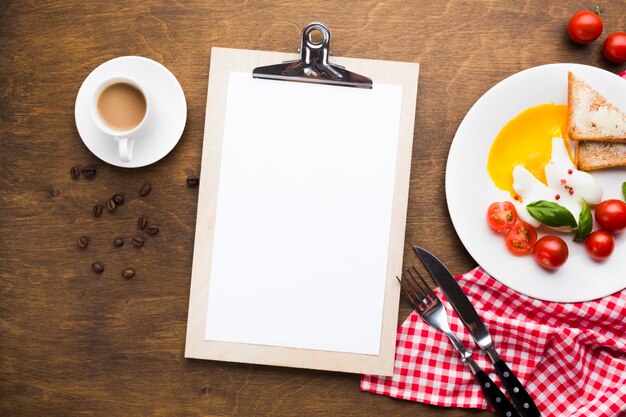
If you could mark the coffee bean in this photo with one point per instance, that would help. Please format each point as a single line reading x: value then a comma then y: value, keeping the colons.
x: 89, y: 172
x: 137, y: 242
x: 153, y: 230
x: 118, y: 243
x: 142, y: 222
x: 145, y: 189
x: 128, y: 273
x: 111, y: 205
x: 118, y: 199
x: 97, y: 210
x: 97, y: 267
x: 75, y: 172
x: 192, y: 180
x: 82, y: 242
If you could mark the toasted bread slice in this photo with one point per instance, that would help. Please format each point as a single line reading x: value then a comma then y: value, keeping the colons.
x: 591, y: 117
x: 597, y: 155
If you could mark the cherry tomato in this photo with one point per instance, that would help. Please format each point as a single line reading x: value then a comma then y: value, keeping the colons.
x: 501, y: 216
x: 600, y: 245
x: 585, y: 27
x: 550, y: 252
x: 521, y: 238
x: 614, y: 47
x: 611, y: 215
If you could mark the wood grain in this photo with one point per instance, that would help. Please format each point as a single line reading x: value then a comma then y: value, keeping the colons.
x: 73, y: 343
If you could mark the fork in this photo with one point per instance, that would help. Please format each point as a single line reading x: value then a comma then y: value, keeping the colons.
x: 431, y: 310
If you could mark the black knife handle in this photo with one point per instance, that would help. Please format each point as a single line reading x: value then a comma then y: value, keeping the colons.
x: 496, y: 398
x: 517, y: 392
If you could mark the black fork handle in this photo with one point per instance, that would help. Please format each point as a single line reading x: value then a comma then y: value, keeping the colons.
x: 495, y: 396
x: 519, y: 395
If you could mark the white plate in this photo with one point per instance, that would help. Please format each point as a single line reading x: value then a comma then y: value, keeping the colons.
x: 167, y: 102
x: 469, y: 189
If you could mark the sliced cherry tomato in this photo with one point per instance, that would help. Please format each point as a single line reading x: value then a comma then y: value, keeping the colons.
x: 551, y: 252
x: 611, y: 215
x: 521, y: 238
x: 614, y: 47
x: 600, y: 245
x: 501, y: 216
x: 585, y: 27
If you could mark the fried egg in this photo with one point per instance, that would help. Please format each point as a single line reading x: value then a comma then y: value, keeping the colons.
x: 526, y: 140
x: 530, y: 159
x: 566, y: 185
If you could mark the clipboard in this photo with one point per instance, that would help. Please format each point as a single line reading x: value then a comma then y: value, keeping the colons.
x: 275, y: 71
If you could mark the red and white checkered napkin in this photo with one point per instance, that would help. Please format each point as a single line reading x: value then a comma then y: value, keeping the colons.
x: 570, y: 357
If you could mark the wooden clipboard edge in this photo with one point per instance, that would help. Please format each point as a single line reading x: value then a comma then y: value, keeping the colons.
x: 398, y: 215
x: 223, y: 61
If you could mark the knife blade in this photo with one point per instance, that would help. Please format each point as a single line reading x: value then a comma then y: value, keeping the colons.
x: 477, y: 329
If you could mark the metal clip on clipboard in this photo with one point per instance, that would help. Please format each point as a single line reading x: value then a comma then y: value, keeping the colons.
x: 313, y: 65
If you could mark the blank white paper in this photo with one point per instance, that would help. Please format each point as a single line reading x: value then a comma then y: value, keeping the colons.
x: 303, y: 215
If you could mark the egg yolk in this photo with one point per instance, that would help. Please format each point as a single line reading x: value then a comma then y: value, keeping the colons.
x: 526, y: 140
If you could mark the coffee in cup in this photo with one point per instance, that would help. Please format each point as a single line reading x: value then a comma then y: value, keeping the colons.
x: 122, y: 106
x: 120, y: 109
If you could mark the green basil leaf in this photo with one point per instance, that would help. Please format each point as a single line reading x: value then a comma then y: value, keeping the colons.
x: 624, y: 189
x: 585, y: 223
x: 551, y: 214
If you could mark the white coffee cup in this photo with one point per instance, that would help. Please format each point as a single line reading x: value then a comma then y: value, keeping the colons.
x: 121, y: 119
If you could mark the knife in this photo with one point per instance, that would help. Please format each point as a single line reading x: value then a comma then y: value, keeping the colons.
x: 473, y: 323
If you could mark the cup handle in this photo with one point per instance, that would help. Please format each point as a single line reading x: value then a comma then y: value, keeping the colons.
x: 125, y: 148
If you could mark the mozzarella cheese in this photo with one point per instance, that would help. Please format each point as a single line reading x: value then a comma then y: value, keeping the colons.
x: 566, y: 185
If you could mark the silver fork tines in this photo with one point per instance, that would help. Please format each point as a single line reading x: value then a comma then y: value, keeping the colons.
x: 424, y: 300
x: 430, y: 308
x: 420, y: 294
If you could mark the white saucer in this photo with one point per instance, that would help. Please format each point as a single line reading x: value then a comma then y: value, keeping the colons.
x: 167, y: 103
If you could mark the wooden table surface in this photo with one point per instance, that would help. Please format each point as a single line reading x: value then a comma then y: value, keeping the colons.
x: 76, y: 343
